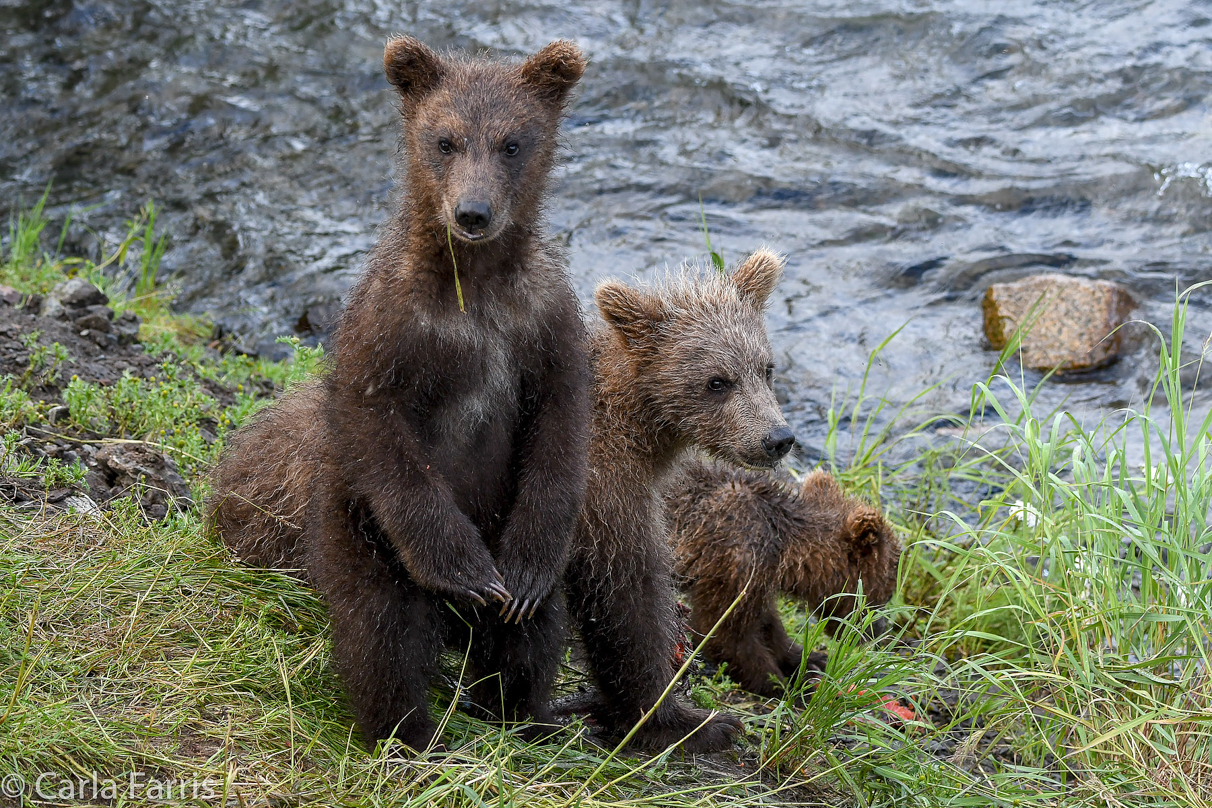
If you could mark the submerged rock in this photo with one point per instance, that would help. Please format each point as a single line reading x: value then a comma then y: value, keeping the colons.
x: 1074, y: 320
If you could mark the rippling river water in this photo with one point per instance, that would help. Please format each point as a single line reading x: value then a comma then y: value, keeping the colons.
x: 903, y: 154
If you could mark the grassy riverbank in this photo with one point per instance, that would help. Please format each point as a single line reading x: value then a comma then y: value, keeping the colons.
x: 1052, y: 635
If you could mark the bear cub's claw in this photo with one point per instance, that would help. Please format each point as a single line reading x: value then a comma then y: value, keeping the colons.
x: 529, y: 593
x: 475, y: 579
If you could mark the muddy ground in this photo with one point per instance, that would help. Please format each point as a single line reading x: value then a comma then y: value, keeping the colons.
x: 98, y: 346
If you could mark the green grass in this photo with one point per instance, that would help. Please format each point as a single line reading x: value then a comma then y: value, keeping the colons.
x: 127, y: 271
x: 1060, y: 612
x: 1072, y: 604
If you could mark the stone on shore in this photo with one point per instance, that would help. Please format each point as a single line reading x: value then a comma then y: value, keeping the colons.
x: 1074, y: 325
x: 71, y: 296
x: 150, y: 475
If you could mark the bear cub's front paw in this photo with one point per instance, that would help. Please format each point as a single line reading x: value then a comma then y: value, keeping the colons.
x: 530, y: 587
x: 465, y: 576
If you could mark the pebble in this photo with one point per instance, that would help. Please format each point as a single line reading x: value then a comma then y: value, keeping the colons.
x: 83, y: 504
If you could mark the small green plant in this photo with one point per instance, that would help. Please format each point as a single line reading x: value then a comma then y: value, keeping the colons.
x: 16, y: 407
x: 44, y: 361
x: 25, y: 234
x: 57, y: 474
x: 303, y: 364
x: 11, y: 462
x: 152, y: 249
x: 717, y: 260
x: 703, y: 696
x: 455, y: 264
x: 24, y: 266
x: 51, y: 471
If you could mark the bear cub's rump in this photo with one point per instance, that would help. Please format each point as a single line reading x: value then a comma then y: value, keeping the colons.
x: 262, y: 483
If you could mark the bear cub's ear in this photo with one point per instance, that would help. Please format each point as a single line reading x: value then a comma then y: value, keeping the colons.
x: 412, y: 67
x: 757, y: 276
x: 555, y: 70
x: 631, y: 312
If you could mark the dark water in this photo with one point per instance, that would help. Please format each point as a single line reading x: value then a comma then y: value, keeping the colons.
x: 904, y: 155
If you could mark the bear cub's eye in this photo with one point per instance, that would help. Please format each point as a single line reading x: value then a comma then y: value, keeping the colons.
x: 511, y: 149
x: 718, y: 385
x: 445, y: 146
x: 770, y: 373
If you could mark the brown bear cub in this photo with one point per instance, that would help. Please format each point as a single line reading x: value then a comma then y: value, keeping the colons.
x: 442, y: 458
x: 681, y: 365
x: 731, y: 527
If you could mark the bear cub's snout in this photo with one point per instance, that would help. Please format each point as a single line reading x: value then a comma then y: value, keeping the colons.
x: 473, y: 215
x: 778, y: 443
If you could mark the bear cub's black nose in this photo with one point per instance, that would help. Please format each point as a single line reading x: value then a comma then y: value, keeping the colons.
x: 473, y: 215
x: 778, y: 442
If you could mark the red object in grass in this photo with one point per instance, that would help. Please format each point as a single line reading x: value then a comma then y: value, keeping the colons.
x: 891, y: 705
x: 899, y: 710
x: 679, y: 654
x: 682, y: 647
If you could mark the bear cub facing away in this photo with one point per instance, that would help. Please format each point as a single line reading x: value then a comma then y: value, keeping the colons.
x: 813, y: 543
x: 682, y: 365
x: 442, y: 459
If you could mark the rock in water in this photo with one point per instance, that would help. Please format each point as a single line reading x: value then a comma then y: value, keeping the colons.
x: 1073, y: 322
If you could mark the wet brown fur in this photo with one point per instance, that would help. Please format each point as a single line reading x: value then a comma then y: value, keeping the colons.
x: 442, y: 457
x: 652, y: 361
x: 731, y: 527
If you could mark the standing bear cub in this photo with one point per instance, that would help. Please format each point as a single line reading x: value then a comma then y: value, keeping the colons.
x: 442, y: 458
x: 733, y: 528
x: 679, y: 366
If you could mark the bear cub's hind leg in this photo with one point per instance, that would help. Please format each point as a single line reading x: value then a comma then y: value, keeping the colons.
x: 516, y: 664
x: 627, y: 624
x: 387, y: 632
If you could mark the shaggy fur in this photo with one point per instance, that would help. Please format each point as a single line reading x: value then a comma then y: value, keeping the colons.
x: 685, y: 364
x: 264, y: 479
x: 448, y: 458
x: 730, y: 527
